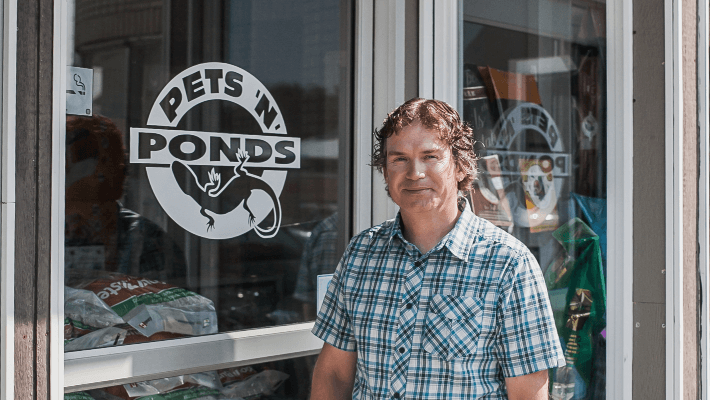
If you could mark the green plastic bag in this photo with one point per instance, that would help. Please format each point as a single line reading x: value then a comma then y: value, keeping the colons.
x: 579, y: 275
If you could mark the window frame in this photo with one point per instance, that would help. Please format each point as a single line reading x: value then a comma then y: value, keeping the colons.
x: 96, y: 368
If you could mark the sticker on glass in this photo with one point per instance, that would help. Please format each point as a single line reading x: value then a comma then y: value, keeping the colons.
x: 190, y: 172
x: 79, y: 94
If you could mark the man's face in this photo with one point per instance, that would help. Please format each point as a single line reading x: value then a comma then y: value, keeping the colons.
x: 420, y: 171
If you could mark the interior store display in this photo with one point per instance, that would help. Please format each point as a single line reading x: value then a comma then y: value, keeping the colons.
x: 593, y: 211
x: 582, y: 317
x: 563, y: 383
x: 104, y: 310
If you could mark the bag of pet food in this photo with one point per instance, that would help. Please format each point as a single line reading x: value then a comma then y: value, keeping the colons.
x: 149, y: 306
x: 193, y: 393
x: 162, y: 386
x: 257, y: 385
x: 228, y: 376
x: 105, y: 337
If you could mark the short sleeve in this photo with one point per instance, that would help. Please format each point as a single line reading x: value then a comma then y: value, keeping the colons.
x: 528, y: 340
x: 333, y: 323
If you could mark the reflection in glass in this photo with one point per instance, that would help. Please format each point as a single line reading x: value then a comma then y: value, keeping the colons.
x: 132, y: 272
x: 534, y: 92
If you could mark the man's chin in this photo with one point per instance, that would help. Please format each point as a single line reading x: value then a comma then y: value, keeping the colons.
x: 415, y: 207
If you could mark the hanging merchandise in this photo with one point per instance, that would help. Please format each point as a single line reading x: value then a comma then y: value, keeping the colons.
x: 594, y: 212
x: 588, y: 110
x: 585, y: 303
x: 478, y: 111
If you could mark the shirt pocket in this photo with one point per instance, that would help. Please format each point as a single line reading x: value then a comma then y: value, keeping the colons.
x: 452, y: 326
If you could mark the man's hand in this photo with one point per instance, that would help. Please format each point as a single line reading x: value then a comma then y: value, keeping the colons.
x: 528, y: 387
x: 334, y: 374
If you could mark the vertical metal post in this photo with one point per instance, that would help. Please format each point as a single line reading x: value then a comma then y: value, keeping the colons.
x: 620, y: 199
x: 388, y: 86
x: 56, y: 308
x: 362, y: 117
x: 447, y: 51
x: 7, y: 192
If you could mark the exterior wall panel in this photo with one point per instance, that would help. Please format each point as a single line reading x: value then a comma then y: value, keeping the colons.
x: 649, y: 351
x: 649, y: 364
x: 691, y: 300
x: 33, y: 191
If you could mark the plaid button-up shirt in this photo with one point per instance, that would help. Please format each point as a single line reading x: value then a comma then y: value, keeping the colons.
x: 450, y: 324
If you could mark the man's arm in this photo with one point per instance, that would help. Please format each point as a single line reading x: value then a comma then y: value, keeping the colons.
x: 528, y: 387
x: 334, y: 374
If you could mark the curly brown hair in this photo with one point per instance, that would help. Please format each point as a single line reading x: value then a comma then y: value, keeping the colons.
x: 434, y: 115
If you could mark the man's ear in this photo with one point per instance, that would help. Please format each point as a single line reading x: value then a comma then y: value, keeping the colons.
x: 460, y: 175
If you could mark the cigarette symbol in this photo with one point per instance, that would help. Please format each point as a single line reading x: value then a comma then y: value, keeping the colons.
x: 79, y: 84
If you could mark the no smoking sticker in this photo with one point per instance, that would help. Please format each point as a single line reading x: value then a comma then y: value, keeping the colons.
x: 79, y: 91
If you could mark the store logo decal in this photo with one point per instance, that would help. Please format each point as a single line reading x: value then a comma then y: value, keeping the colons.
x: 544, y: 172
x: 202, y: 179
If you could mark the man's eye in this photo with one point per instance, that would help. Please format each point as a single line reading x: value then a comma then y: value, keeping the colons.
x: 430, y: 157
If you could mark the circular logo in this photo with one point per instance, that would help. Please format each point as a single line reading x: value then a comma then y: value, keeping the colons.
x: 202, y: 179
x: 547, y: 172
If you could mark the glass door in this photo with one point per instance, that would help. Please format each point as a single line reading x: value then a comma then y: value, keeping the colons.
x: 534, y: 90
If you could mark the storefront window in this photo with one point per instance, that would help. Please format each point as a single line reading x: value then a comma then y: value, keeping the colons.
x: 534, y: 90
x: 204, y: 160
x: 276, y: 380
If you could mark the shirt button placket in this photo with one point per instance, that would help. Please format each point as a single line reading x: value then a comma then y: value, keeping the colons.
x: 407, y: 320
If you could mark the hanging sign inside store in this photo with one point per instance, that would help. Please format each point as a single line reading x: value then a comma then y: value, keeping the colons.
x: 79, y: 91
x: 205, y: 181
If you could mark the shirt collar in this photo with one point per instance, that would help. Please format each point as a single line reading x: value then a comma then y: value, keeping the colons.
x: 459, y: 240
x: 395, y: 229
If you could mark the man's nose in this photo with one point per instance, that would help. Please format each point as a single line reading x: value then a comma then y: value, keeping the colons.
x: 415, y: 170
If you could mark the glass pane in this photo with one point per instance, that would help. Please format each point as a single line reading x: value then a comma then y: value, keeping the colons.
x: 534, y: 90
x: 205, y: 155
x: 276, y: 380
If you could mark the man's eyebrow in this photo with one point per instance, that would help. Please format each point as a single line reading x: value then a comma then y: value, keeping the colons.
x: 399, y: 153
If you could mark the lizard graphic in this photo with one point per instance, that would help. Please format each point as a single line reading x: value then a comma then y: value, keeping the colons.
x: 239, y: 188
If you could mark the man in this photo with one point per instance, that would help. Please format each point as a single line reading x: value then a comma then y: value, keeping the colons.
x: 437, y: 303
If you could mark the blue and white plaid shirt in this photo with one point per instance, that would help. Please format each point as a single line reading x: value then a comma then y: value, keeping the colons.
x: 449, y: 324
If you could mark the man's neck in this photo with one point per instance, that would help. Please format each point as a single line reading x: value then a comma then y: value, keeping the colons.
x: 425, y: 230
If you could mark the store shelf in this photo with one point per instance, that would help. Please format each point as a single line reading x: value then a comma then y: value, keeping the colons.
x: 99, y: 368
